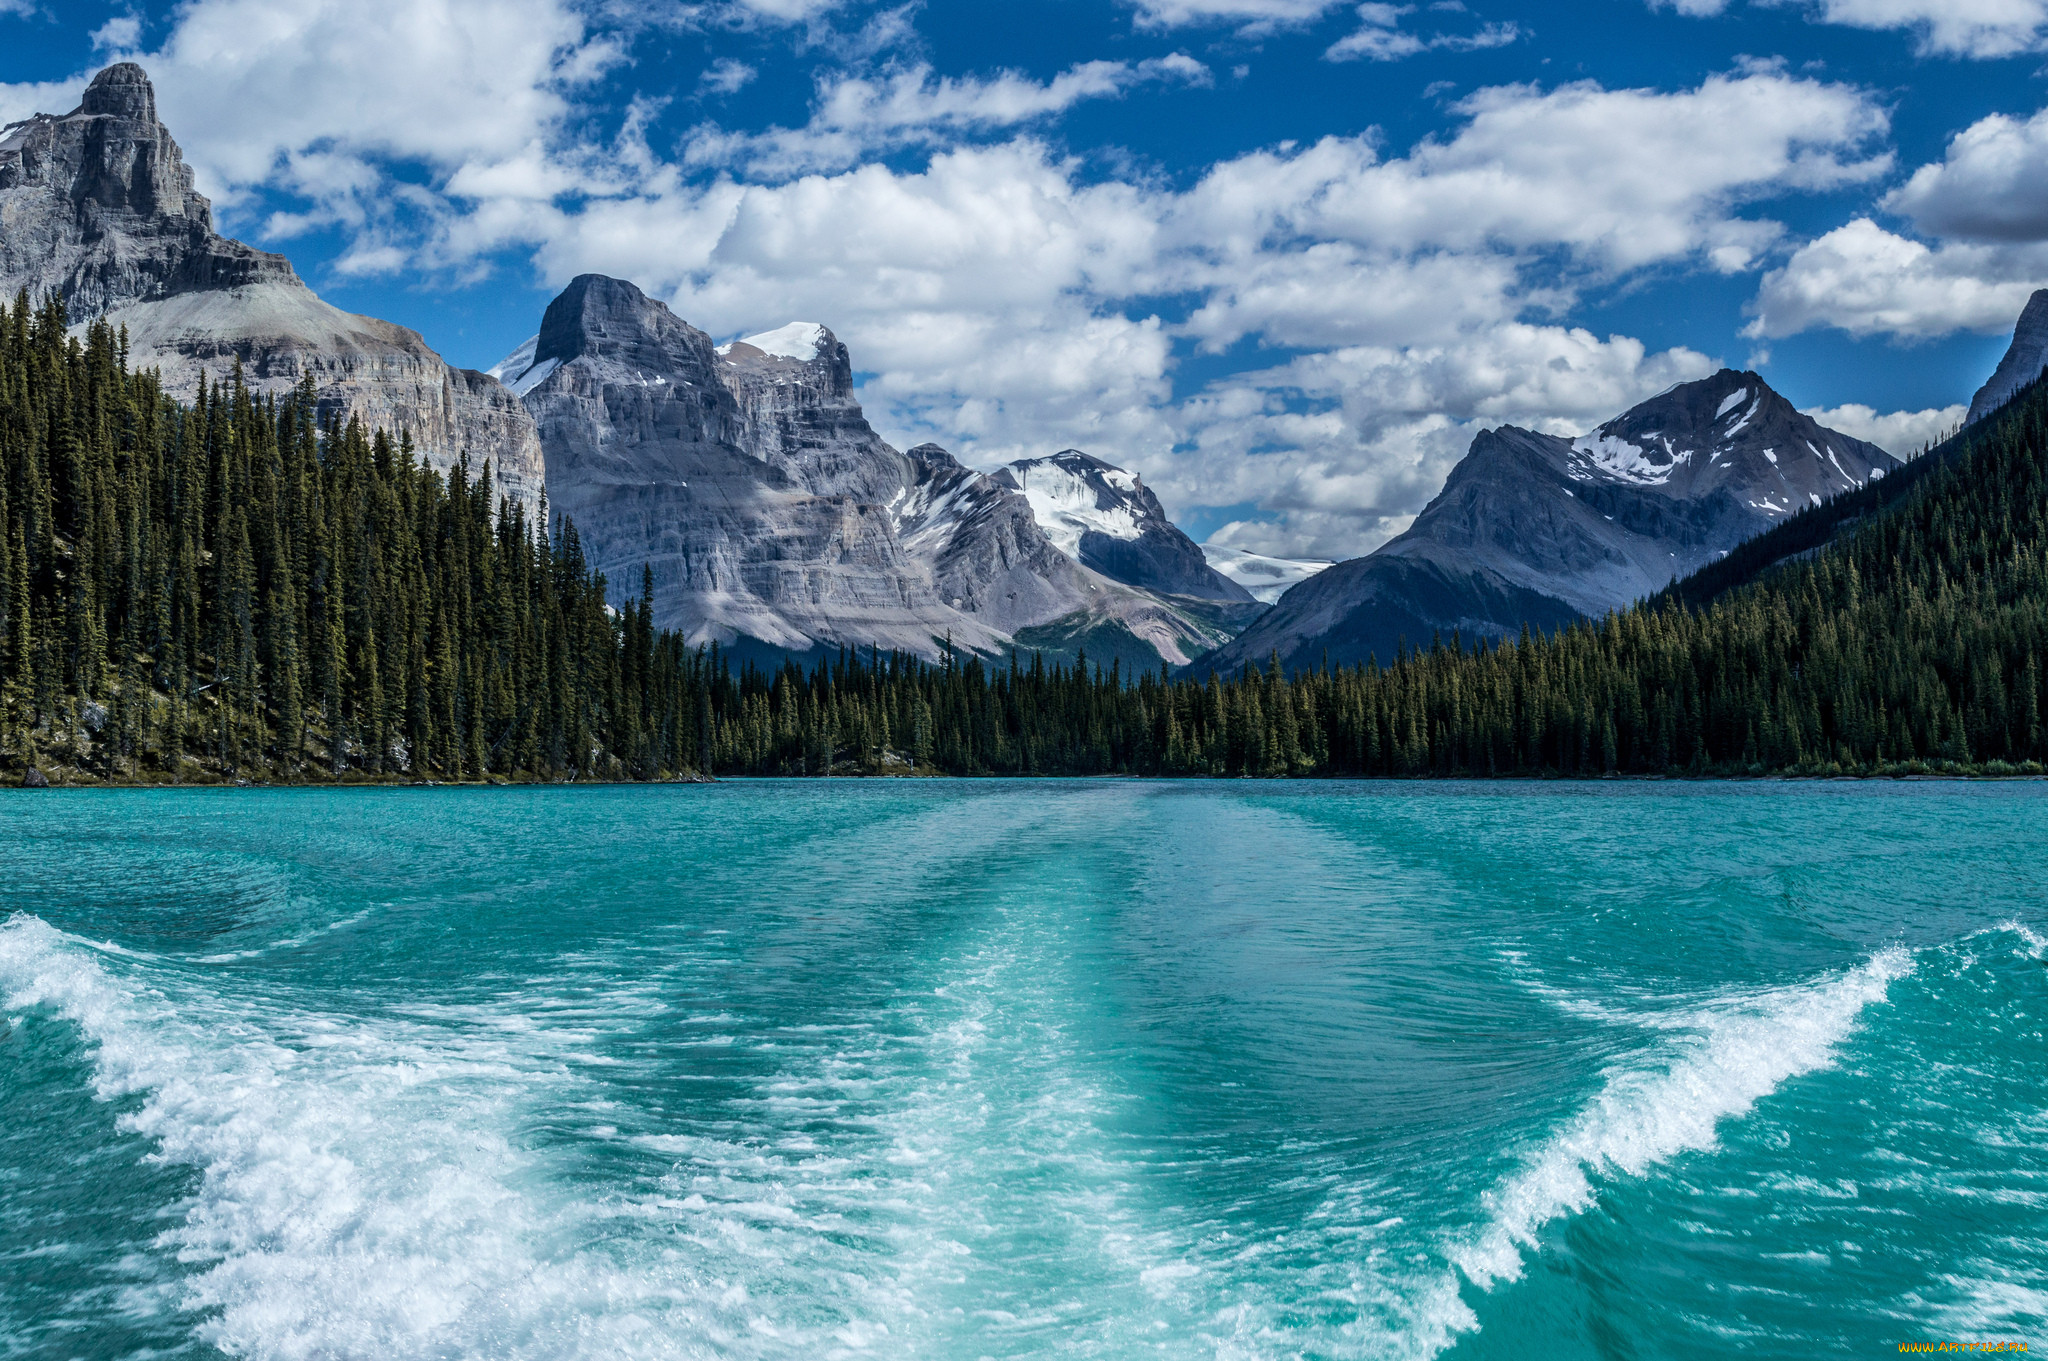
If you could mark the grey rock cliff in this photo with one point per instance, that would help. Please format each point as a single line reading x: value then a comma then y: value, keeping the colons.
x: 1537, y: 529
x: 2024, y: 360
x: 799, y: 414
x: 98, y: 207
x: 645, y: 453
x: 767, y: 508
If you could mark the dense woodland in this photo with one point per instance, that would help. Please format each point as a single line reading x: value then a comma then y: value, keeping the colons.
x: 236, y: 590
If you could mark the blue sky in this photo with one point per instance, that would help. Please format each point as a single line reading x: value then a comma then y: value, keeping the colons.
x: 1283, y: 257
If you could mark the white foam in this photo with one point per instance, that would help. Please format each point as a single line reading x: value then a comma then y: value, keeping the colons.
x: 361, y: 1192
x: 2036, y: 944
x: 1734, y: 1053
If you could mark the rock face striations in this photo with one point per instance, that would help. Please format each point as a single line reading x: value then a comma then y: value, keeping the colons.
x: 98, y: 207
x: 2024, y: 360
x: 750, y: 484
x: 647, y: 457
x: 1537, y: 529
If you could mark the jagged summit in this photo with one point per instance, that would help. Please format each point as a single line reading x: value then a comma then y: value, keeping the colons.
x: 2024, y: 360
x: 1538, y: 529
x: 606, y: 318
x: 1106, y: 518
x: 98, y: 207
x: 1730, y: 430
x: 121, y: 91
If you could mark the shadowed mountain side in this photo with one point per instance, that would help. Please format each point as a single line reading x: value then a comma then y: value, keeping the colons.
x: 1373, y: 607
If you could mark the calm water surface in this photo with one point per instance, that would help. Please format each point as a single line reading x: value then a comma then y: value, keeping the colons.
x: 963, y: 1070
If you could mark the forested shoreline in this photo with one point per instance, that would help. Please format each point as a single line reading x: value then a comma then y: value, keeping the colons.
x: 236, y: 590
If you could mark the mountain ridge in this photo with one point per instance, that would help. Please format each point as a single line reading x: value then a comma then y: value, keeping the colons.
x: 1538, y: 529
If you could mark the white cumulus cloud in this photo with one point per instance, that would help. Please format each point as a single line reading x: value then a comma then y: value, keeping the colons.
x: 856, y: 116
x: 1990, y: 185
x: 1865, y: 280
x: 1954, y: 28
x: 1251, y: 16
x: 1380, y: 37
x: 1967, y: 28
x: 1903, y: 434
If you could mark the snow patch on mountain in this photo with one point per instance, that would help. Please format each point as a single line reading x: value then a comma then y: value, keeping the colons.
x: 799, y: 340
x: 1628, y: 462
x: 1266, y: 578
x: 518, y: 372
x: 1067, y: 504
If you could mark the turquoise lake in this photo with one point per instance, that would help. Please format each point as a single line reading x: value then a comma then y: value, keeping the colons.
x: 957, y: 1069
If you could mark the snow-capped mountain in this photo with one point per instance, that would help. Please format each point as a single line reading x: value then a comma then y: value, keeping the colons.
x: 1106, y: 518
x: 1539, y: 529
x: 746, y: 477
x: 1267, y: 578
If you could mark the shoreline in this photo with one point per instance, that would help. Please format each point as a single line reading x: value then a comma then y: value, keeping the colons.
x: 73, y: 780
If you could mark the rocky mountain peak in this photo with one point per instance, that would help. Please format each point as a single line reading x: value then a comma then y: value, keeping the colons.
x: 1729, y: 431
x: 2024, y: 360
x: 802, y: 352
x: 121, y: 91
x: 97, y: 206
x: 1539, y: 530
x: 599, y: 317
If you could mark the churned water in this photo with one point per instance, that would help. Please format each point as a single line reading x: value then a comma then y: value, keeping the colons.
x: 960, y: 1070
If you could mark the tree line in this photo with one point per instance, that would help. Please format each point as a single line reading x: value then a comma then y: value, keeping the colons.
x: 236, y: 588
x: 239, y: 588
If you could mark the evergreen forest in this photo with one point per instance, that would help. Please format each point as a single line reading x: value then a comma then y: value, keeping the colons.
x: 239, y: 590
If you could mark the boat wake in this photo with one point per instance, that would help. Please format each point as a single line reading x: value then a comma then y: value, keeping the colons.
x: 1724, y: 1055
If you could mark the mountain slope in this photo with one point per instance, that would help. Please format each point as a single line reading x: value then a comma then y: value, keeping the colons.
x: 98, y: 207
x: 2024, y: 360
x: 1536, y: 529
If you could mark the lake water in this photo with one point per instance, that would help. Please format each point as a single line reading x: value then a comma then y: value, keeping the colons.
x: 1065, y: 1069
